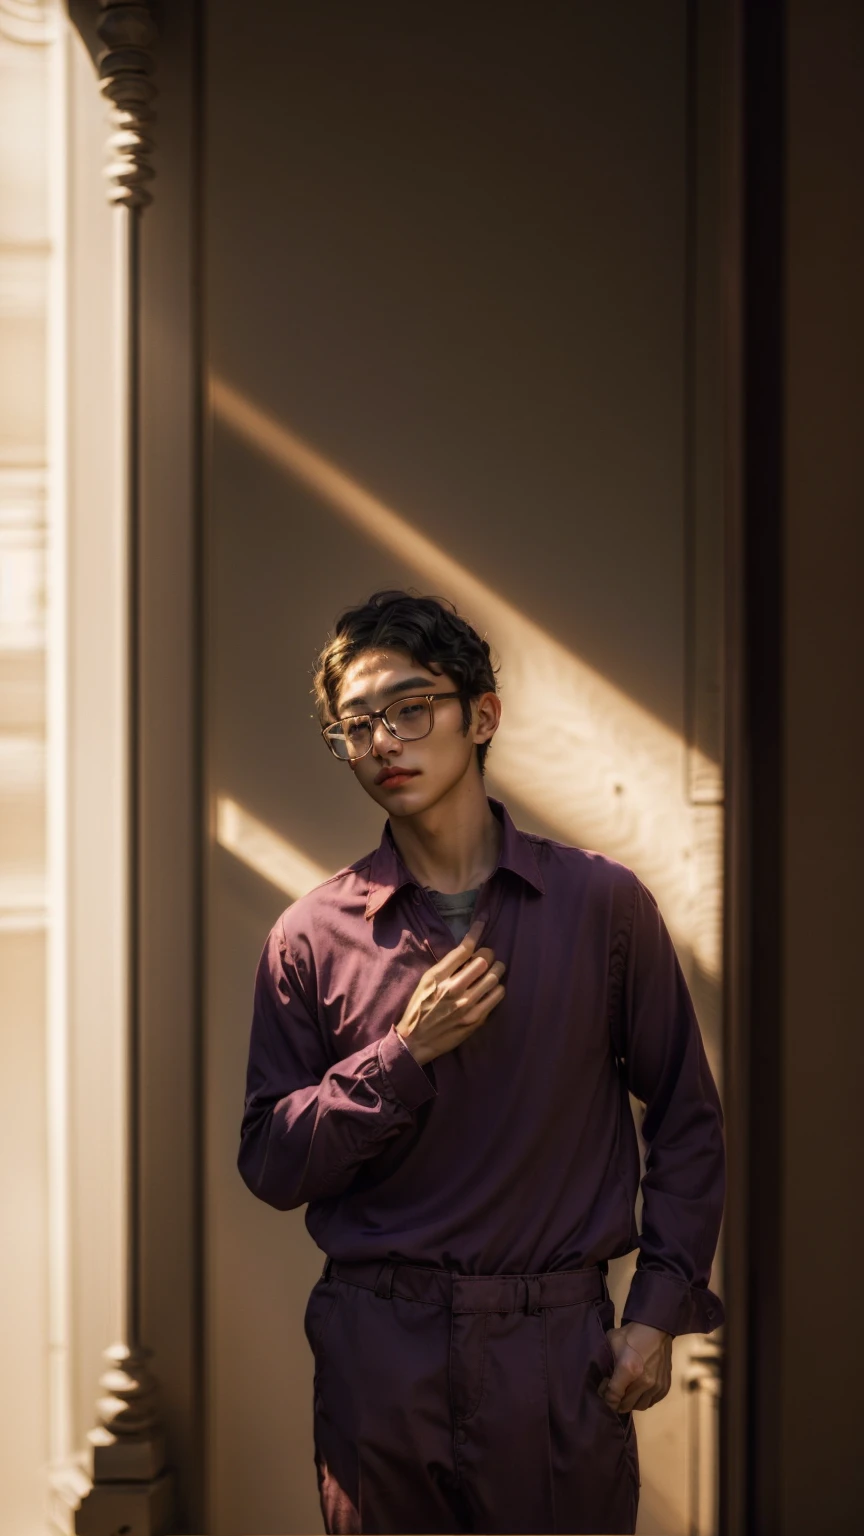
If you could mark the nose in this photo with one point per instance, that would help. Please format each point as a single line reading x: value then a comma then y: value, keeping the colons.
x: 382, y: 739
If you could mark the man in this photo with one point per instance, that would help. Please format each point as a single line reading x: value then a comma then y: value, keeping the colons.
x: 457, y: 1116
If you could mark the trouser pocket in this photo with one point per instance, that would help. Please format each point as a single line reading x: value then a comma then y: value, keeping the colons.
x: 319, y: 1310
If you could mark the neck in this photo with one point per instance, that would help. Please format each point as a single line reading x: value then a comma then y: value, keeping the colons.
x: 454, y: 845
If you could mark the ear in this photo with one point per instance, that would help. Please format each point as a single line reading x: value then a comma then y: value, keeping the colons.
x: 488, y: 717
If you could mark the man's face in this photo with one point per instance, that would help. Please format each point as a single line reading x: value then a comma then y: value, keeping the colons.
x: 429, y: 766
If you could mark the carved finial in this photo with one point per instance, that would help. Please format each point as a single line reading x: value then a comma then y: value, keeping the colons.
x: 125, y: 67
x: 129, y: 1406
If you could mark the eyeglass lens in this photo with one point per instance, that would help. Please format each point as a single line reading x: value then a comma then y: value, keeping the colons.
x: 409, y: 718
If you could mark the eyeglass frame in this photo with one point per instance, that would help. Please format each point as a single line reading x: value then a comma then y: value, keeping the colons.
x: 381, y: 714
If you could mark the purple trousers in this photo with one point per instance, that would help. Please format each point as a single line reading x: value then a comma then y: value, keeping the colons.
x: 467, y: 1403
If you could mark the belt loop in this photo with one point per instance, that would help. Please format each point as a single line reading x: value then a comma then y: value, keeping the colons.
x: 532, y: 1294
x: 384, y: 1283
x: 328, y: 1265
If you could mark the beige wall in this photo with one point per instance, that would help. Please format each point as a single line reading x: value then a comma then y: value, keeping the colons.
x: 449, y: 257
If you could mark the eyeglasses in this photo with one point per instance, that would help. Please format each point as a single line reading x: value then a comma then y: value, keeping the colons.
x: 406, y: 719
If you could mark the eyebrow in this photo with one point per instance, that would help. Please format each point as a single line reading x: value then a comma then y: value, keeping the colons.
x: 386, y: 693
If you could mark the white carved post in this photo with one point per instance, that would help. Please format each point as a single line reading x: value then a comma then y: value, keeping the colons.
x: 703, y: 1381
x: 132, y: 1491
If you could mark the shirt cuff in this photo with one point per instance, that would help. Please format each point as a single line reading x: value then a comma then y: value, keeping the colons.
x: 411, y: 1084
x: 668, y: 1302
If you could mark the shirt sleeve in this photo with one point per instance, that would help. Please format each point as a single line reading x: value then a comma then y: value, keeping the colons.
x: 683, y: 1188
x: 307, y: 1126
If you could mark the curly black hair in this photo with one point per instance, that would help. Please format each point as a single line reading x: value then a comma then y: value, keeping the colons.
x: 427, y: 628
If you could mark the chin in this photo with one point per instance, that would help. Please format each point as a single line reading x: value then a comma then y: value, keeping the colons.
x: 412, y: 801
x: 393, y: 800
x: 400, y: 802
x: 418, y: 795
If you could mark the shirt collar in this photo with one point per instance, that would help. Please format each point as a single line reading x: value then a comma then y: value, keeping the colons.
x: 388, y: 874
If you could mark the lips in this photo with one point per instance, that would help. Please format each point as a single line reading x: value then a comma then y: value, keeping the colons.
x: 398, y: 773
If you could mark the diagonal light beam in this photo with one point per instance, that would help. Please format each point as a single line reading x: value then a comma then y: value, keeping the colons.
x: 262, y: 849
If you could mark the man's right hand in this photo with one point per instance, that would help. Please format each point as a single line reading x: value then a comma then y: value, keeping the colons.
x: 452, y: 999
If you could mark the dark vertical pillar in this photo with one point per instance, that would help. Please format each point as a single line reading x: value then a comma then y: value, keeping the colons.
x: 751, y: 1424
x: 823, y: 1060
x: 795, y: 912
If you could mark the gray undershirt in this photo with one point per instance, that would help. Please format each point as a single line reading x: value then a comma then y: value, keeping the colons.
x: 456, y: 910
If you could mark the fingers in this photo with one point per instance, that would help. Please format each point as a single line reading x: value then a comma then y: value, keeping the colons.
x: 618, y: 1386
x: 489, y: 979
x: 485, y: 953
x: 648, y: 1366
x: 614, y: 1392
x: 477, y: 1012
x: 631, y: 1387
x: 640, y: 1397
x: 474, y: 979
x: 461, y: 980
x: 467, y: 981
x: 462, y: 951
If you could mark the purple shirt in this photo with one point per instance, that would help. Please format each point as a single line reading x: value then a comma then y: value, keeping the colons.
x: 515, y: 1153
